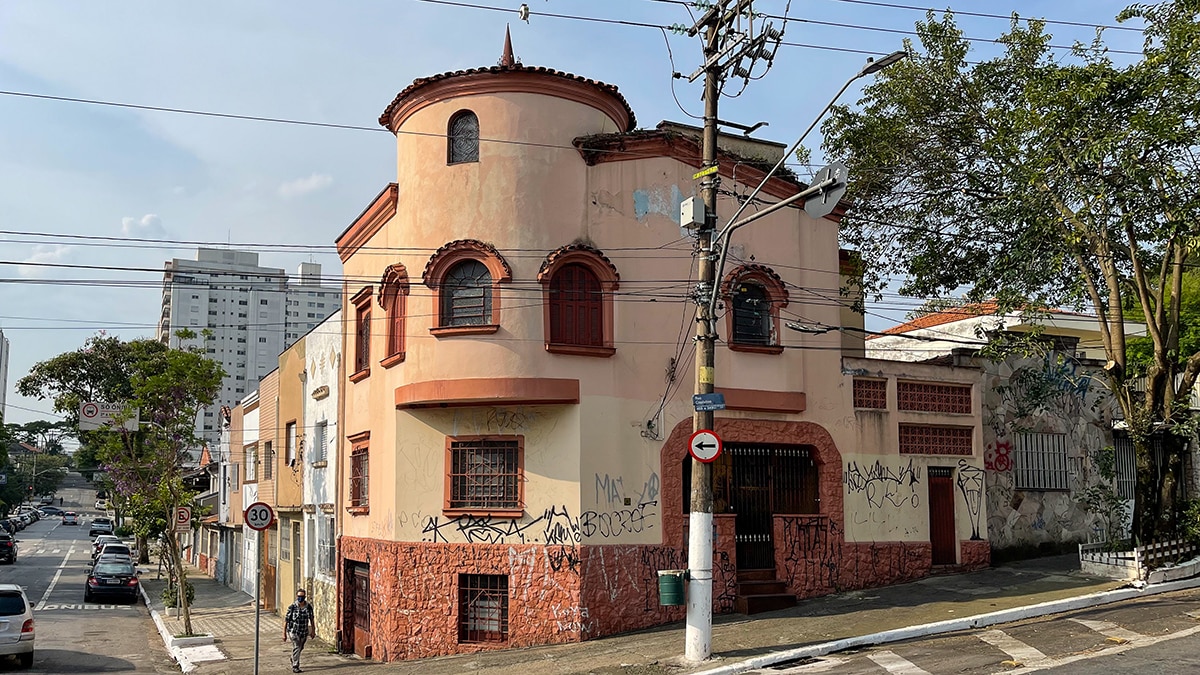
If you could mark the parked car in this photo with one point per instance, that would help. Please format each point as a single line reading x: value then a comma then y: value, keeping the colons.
x: 46, y: 499
x: 103, y: 539
x: 8, y: 549
x: 16, y: 624
x: 102, y: 504
x: 112, y: 578
x: 51, y: 511
x: 25, y: 518
x: 100, y: 526
x: 70, y: 518
x: 17, y: 523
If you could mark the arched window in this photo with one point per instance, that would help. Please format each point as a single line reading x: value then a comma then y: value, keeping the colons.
x: 393, y: 295
x: 751, y: 314
x: 753, y: 295
x: 579, y: 283
x: 462, y: 142
x: 576, y: 307
x: 467, y: 295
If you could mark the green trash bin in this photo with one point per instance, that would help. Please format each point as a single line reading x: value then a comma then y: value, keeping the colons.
x: 670, y: 587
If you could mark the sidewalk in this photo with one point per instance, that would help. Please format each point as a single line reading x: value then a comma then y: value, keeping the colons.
x: 229, y: 616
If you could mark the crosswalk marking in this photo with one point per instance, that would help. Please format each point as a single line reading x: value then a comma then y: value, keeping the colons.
x: 1019, y: 651
x: 896, y: 664
x: 1110, y: 629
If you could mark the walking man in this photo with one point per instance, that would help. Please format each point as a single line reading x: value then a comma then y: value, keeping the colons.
x: 299, y: 625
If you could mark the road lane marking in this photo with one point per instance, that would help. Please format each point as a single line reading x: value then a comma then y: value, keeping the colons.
x: 52, y: 607
x: 1019, y: 651
x: 54, y: 581
x: 896, y: 664
x: 1144, y: 641
x: 1110, y: 629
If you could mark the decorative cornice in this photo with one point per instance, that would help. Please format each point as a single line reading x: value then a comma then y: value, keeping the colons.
x: 467, y: 248
x: 508, y: 78
x: 574, y: 249
x: 647, y: 144
x: 778, y: 289
x: 376, y: 215
x: 321, y: 392
x: 488, y: 391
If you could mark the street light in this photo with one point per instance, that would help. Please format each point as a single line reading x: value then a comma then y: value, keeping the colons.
x: 698, y: 633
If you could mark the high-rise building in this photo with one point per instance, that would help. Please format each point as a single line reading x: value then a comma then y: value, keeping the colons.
x: 244, y: 315
x: 4, y: 347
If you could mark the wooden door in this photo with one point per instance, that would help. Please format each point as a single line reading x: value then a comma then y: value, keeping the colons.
x: 942, y: 536
x: 360, y: 608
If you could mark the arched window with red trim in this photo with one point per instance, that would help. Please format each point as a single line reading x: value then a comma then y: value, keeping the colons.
x: 753, y: 296
x: 465, y: 276
x: 393, y: 296
x: 579, y: 282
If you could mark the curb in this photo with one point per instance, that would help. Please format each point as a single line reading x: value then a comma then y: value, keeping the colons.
x: 952, y: 625
x: 185, y: 665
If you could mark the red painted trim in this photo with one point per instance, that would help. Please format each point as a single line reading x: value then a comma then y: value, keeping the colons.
x: 764, y: 400
x: 375, y: 216
x: 474, y: 391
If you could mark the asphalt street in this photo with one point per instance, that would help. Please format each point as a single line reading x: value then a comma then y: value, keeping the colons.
x: 1158, y: 634
x: 73, y: 636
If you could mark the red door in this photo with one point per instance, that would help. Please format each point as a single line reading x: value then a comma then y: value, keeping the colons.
x: 941, y: 516
x: 360, y: 608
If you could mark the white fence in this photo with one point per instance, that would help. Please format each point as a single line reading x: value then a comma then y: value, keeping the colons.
x: 1094, y: 559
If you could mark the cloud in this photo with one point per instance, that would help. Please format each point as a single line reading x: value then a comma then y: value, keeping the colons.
x: 148, y: 226
x: 303, y: 186
x: 43, y: 253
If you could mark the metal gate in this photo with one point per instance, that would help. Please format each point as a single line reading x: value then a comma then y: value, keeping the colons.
x: 942, y: 538
x: 360, y: 608
x: 757, y: 482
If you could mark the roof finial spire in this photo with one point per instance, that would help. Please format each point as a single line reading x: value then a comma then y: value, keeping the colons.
x: 506, y: 59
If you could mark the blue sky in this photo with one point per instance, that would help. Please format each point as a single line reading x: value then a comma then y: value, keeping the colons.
x: 71, y: 168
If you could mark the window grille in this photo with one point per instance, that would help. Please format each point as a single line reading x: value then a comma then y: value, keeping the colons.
x: 933, y: 397
x: 362, y: 340
x: 576, y: 307
x: 467, y: 295
x: 482, y: 608
x: 485, y: 474
x: 462, y: 144
x: 319, y: 441
x: 268, y: 461
x: 252, y: 463
x: 871, y: 394
x: 359, y: 469
x: 285, y: 543
x: 752, y: 315
x: 1040, y: 462
x: 1126, y: 467
x: 328, y: 546
x: 289, y: 448
x: 271, y: 548
x: 361, y: 576
x: 923, y: 439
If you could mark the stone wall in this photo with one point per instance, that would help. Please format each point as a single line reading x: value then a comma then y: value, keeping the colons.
x: 1052, y: 393
x: 323, y: 597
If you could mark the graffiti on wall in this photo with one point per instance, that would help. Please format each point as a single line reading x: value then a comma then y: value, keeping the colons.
x: 554, y: 526
x: 884, y: 486
x: 998, y: 456
x: 609, y: 524
x: 816, y: 558
x: 970, y: 484
x: 610, y: 490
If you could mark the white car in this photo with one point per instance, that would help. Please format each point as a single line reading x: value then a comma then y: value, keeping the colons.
x: 16, y: 624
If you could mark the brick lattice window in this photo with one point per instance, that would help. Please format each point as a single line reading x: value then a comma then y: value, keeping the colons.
x: 482, y: 608
x: 932, y: 397
x: 359, y: 474
x: 924, y: 439
x: 870, y: 394
x: 485, y: 474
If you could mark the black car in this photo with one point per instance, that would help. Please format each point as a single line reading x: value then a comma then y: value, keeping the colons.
x: 112, y: 579
x: 51, y: 510
x: 8, y: 549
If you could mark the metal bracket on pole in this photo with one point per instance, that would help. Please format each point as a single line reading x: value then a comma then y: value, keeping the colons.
x: 710, y: 61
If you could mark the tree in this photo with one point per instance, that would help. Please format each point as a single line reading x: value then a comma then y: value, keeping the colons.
x: 1043, y: 182
x: 167, y: 387
x: 43, y: 434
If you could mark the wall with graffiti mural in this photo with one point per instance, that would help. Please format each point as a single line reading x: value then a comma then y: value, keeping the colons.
x: 1056, y: 405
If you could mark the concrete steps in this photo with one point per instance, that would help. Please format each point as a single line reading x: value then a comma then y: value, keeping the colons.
x: 759, y: 591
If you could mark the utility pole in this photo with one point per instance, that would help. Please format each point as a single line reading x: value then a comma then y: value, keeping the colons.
x: 700, y: 520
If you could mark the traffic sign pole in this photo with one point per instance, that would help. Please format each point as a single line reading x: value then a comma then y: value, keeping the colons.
x: 259, y: 517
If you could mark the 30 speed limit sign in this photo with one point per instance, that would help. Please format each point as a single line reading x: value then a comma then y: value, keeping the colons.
x: 259, y: 516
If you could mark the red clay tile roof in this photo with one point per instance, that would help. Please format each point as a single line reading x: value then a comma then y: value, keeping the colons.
x: 944, y: 317
x: 609, y: 89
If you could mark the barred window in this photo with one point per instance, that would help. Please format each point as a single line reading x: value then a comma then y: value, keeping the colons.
x: 268, y: 461
x: 467, y: 295
x: 752, y: 315
x: 482, y: 608
x: 924, y: 439
x: 327, y: 553
x: 1040, y: 462
x: 462, y: 143
x: 933, y: 397
x: 870, y: 394
x: 285, y: 542
x: 318, y: 449
x: 359, y: 469
x: 485, y: 474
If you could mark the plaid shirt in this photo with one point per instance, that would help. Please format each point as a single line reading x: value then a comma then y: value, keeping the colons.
x: 298, y: 619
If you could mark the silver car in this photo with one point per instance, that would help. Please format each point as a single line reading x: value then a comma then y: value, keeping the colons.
x: 16, y: 624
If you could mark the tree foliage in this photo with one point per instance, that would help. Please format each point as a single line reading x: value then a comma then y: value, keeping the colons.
x: 167, y: 388
x: 1044, y: 182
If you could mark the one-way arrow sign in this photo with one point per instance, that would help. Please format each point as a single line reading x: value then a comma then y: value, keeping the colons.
x: 705, y: 445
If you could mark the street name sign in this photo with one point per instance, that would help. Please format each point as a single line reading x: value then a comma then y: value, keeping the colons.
x: 708, y: 402
x: 705, y: 445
